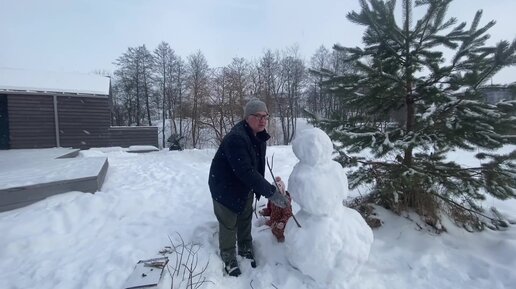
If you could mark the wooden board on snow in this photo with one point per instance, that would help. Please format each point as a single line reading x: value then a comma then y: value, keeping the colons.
x: 146, y: 273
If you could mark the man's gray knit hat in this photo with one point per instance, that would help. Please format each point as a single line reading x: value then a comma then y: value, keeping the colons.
x: 253, y: 106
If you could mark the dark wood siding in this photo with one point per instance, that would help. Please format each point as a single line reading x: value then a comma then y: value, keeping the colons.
x: 4, y: 123
x: 134, y: 135
x: 31, y: 121
x: 83, y: 121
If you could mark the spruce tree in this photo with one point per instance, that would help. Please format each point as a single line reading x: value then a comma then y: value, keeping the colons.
x: 416, y: 87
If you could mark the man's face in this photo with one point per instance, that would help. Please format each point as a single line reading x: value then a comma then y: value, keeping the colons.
x: 258, y: 121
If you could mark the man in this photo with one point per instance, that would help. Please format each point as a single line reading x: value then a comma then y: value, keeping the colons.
x: 236, y: 176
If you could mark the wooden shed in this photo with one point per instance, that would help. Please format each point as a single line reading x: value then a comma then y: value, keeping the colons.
x: 49, y: 109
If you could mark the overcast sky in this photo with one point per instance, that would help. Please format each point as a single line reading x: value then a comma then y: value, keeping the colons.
x: 88, y: 35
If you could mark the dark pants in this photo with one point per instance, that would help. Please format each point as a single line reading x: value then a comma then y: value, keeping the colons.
x: 234, y: 228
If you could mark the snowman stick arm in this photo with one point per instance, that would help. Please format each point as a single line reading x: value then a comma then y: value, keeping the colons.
x: 274, y: 180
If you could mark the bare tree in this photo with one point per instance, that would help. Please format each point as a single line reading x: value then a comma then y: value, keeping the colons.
x: 239, y: 83
x: 126, y: 76
x: 198, y: 77
x: 320, y: 63
x: 270, y: 78
x: 146, y: 63
x: 178, y: 86
x: 229, y: 87
x: 119, y: 113
x: 255, y: 80
x: 134, y: 72
x: 219, y: 101
x: 293, y: 76
x: 324, y: 66
x: 163, y: 63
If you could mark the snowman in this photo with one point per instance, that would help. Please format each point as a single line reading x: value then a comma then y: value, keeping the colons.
x: 334, y: 241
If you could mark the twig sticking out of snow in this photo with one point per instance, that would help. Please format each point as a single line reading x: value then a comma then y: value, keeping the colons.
x: 186, y: 264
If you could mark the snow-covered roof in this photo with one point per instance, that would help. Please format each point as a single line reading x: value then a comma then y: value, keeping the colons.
x: 20, y: 80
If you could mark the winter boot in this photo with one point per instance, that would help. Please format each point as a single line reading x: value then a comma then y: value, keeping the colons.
x: 231, y: 267
x: 248, y: 254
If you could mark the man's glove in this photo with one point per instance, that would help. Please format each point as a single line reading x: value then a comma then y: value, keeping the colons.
x: 279, y: 199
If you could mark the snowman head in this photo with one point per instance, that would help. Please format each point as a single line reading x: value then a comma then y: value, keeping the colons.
x: 312, y: 146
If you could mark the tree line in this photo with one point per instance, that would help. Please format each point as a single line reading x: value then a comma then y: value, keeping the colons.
x: 201, y: 103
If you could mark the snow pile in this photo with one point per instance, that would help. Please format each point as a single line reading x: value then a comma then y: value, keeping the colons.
x: 334, y: 239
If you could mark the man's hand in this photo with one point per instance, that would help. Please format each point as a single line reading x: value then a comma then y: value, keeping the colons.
x: 280, y: 225
x: 280, y: 184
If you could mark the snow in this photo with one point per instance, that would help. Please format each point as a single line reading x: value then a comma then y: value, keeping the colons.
x: 25, y: 167
x: 81, y: 240
x: 429, y: 111
x: 334, y: 247
x: 142, y: 148
x: 47, y: 81
x: 312, y: 146
x: 317, y: 183
x: 340, y: 235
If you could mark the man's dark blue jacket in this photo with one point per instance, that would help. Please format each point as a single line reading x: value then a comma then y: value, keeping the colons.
x: 238, y: 168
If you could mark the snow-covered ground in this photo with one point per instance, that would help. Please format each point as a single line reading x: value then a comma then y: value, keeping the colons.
x: 81, y: 240
x: 26, y: 167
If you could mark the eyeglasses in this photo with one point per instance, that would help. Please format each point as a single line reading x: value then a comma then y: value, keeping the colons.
x: 261, y: 117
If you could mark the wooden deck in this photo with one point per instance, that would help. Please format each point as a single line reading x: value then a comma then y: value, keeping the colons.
x: 28, y: 176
